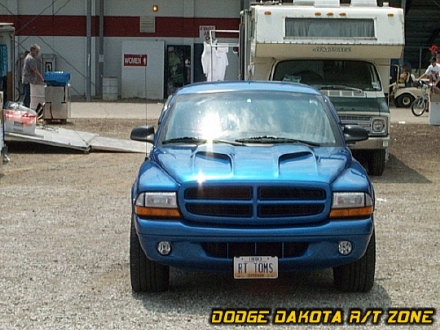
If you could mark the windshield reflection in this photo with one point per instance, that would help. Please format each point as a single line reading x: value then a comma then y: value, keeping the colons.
x: 232, y: 116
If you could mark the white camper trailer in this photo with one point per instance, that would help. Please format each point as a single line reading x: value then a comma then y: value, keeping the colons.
x: 342, y: 49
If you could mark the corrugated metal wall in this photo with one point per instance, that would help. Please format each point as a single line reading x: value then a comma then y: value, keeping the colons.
x: 422, y: 27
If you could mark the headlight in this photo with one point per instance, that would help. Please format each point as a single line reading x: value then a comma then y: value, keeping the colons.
x: 351, y: 205
x: 157, y: 205
x: 379, y: 126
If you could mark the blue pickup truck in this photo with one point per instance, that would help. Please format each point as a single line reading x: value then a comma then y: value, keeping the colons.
x: 253, y: 179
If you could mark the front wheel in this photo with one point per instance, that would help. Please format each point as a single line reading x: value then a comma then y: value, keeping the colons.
x: 376, y: 162
x: 419, y: 106
x: 145, y: 275
x: 359, y: 275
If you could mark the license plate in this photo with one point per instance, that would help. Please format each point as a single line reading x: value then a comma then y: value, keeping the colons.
x: 255, y: 267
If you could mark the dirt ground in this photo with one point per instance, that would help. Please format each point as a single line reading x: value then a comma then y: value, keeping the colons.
x: 65, y: 227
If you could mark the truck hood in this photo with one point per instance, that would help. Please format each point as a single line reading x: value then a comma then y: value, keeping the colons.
x: 252, y: 163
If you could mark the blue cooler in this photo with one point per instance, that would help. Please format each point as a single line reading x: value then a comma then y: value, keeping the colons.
x: 57, y: 78
x: 57, y: 96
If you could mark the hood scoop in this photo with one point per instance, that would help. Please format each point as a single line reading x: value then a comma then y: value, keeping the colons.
x: 299, y: 162
x: 212, y: 163
x: 212, y: 155
x: 295, y: 156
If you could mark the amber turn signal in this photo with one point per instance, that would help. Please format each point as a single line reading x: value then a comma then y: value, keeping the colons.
x: 156, y: 212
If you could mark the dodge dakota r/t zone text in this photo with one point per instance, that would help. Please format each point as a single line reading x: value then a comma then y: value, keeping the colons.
x: 254, y: 179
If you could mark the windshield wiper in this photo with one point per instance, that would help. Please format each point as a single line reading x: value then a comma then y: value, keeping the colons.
x: 275, y: 139
x: 185, y: 139
x: 343, y: 87
x: 234, y: 143
x: 195, y: 140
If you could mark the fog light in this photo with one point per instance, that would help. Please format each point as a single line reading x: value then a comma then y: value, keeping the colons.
x: 164, y: 248
x: 345, y: 247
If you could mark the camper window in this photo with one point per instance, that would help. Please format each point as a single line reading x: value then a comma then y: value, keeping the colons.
x: 329, y: 28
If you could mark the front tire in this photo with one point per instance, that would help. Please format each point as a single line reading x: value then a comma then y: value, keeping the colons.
x: 359, y: 275
x: 376, y: 162
x: 145, y: 275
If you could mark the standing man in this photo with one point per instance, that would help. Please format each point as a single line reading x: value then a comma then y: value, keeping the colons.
x: 31, y: 73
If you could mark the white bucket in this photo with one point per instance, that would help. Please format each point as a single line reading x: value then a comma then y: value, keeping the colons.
x: 37, y: 95
x: 434, y: 108
x: 110, y: 88
x: 434, y: 113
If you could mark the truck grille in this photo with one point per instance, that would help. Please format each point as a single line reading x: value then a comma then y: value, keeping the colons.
x: 363, y: 121
x: 273, y: 249
x: 342, y: 93
x: 253, y: 202
x: 283, y: 210
x: 220, y: 210
x: 218, y: 192
x: 286, y: 193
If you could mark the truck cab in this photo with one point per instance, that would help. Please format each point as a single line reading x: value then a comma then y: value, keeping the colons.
x: 344, y: 50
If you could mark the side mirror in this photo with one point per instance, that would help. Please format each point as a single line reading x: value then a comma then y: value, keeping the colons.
x: 355, y: 133
x: 142, y: 133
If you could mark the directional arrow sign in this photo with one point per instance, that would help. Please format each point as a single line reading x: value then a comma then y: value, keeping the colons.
x: 135, y: 60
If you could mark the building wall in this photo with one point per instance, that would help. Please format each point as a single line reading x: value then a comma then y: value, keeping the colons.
x: 59, y: 27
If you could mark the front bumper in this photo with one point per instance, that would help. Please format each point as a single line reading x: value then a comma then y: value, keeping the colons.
x: 373, y: 143
x: 189, y: 243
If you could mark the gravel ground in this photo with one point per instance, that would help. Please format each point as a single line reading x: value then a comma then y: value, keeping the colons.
x: 65, y: 219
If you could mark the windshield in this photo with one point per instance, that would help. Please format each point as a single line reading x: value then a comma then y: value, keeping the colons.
x: 247, y: 117
x: 333, y: 74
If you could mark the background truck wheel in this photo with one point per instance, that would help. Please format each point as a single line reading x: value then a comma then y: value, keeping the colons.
x: 358, y: 276
x: 146, y: 275
x: 404, y: 100
x: 376, y: 162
